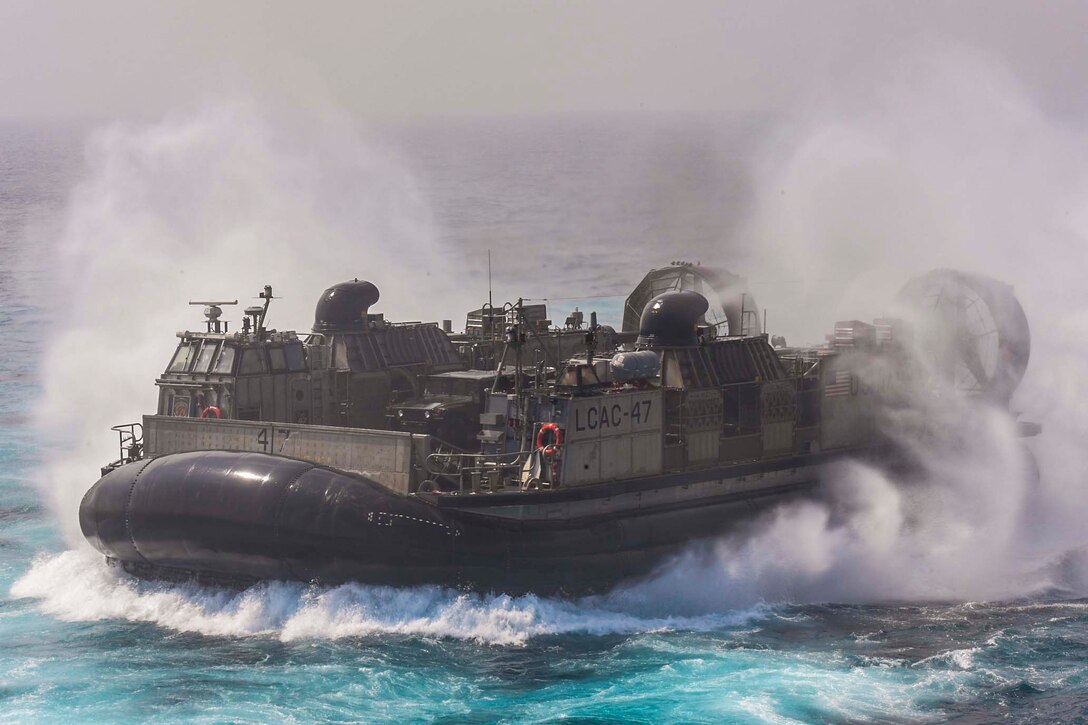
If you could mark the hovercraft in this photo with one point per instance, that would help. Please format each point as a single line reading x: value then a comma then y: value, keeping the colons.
x: 517, y: 455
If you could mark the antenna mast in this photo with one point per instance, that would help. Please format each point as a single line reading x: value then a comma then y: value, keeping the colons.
x: 490, y: 304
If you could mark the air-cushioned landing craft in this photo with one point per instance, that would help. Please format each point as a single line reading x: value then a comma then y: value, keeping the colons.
x: 517, y: 455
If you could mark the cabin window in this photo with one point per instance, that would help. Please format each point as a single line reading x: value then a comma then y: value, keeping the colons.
x: 295, y: 360
x: 181, y: 358
x: 207, y: 355
x: 253, y: 361
x: 279, y: 359
x: 226, y: 361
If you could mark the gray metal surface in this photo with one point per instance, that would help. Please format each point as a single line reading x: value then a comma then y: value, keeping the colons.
x: 697, y: 493
x: 612, y: 437
x: 390, y: 458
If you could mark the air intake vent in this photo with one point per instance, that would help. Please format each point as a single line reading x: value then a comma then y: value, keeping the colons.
x: 343, y: 307
x: 671, y: 319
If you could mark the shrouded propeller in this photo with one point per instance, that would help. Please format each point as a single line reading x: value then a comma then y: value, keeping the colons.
x: 972, y: 328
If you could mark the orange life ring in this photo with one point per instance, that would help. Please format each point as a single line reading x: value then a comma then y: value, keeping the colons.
x: 549, y: 427
x: 211, y: 409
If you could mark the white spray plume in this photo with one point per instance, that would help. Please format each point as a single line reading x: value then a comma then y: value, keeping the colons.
x: 948, y: 164
x: 950, y: 529
x: 214, y: 204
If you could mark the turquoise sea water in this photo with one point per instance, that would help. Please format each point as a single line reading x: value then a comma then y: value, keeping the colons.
x: 80, y: 642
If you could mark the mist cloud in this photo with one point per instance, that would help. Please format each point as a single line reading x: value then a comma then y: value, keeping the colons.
x: 127, y: 58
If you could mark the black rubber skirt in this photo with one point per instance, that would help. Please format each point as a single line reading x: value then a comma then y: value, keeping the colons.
x: 240, y: 517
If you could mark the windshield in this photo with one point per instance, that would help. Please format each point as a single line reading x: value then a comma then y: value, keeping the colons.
x: 207, y: 354
x: 226, y: 361
x: 181, y: 358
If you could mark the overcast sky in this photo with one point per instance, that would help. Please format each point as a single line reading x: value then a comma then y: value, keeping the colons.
x: 395, y: 59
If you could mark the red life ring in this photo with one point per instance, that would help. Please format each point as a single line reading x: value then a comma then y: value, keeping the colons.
x: 211, y: 409
x: 549, y: 427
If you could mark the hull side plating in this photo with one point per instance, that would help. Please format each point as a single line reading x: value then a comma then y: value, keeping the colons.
x: 235, y: 516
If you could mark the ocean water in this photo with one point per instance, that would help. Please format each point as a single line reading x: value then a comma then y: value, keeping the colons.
x: 742, y: 633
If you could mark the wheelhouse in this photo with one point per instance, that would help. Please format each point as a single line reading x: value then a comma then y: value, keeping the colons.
x: 234, y: 376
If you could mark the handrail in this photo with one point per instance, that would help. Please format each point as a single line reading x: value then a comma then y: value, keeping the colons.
x: 495, y: 458
x: 475, y: 471
x: 130, y: 442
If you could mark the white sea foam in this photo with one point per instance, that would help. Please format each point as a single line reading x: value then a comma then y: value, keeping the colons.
x: 953, y: 532
x: 213, y: 204
x: 963, y: 658
x: 77, y: 585
x: 947, y: 163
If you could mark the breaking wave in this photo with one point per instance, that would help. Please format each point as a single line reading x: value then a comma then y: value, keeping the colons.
x: 77, y: 585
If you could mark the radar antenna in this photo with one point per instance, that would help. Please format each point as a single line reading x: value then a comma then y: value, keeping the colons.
x: 213, y: 310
